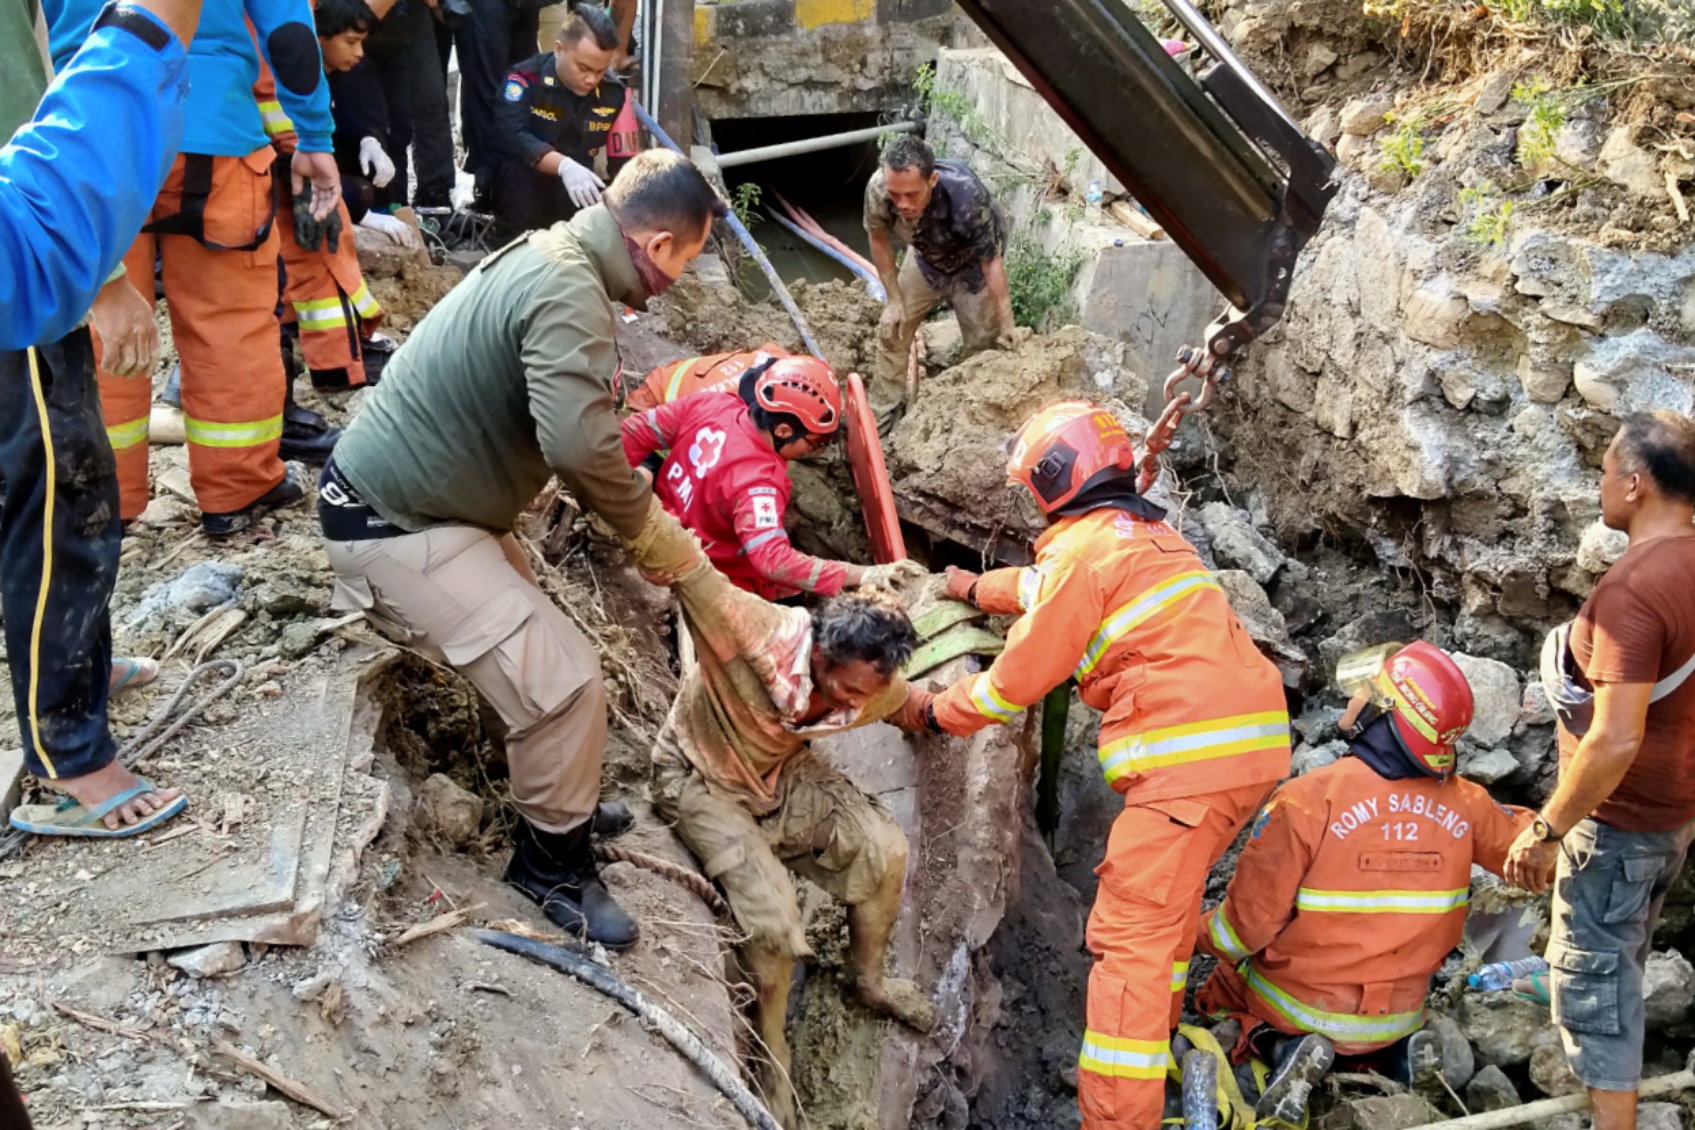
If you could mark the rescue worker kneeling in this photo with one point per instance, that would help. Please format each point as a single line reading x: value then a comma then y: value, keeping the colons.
x: 717, y: 372
x: 1353, y: 887
x: 733, y: 771
x: 726, y: 476
x: 1194, y: 731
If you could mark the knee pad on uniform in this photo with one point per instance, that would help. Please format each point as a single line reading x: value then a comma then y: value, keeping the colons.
x: 293, y: 48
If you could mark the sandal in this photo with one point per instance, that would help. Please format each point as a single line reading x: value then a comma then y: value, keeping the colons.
x: 70, y: 818
x: 1534, y: 988
x: 129, y: 673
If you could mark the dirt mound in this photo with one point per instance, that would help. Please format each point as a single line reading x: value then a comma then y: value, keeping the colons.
x: 705, y: 310
x: 408, y: 291
x: 947, y: 456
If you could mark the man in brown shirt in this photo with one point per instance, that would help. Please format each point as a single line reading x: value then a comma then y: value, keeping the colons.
x: 1614, y: 834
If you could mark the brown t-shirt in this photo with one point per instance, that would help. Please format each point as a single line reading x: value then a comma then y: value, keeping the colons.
x: 1638, y: 626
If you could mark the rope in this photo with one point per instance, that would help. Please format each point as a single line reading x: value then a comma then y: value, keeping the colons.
x: 676, y: 872
x: 155, y: 733
x: 571, y: 960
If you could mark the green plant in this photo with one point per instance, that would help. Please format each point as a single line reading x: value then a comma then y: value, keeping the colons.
x: 1403, y: 149
x: 1545, y: 117
x: 1489, y: 215
x: 956, y: 107
x: 746, y: 203
x: 1039, y: 282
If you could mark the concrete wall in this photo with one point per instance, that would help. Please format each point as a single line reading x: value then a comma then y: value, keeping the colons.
x: 1142, y: 292
x: 782, y: 58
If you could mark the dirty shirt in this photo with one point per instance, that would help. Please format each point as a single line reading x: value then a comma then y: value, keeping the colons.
x: 960, y: 230
x: 1638, y: 626
x: 739, y: 715
x: 723, y: 480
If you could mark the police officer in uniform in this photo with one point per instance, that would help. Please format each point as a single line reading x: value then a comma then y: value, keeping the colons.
x: 556, y: 114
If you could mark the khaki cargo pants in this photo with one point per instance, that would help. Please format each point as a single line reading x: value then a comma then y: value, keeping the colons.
x: 464, y: 597
x: 824, y: 830
x: 979, y: 326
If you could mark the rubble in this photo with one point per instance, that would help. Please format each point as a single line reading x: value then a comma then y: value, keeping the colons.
x: 1238, y: 545
x: 1551, y: 1073
x: 1503, y: 1027
x: 1668, y: 988
x: 1497, y: 695
x: 446, y: 808
x: 1459, y: 1063
x: 1308, y: 757
x: 1490, y: 1089
x: 1389, y: 1112
x: 213, y: 960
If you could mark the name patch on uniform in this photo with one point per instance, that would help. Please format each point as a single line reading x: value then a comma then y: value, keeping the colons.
x: 514, y: 90
x: 1400, y: 861
x: 764, y: 512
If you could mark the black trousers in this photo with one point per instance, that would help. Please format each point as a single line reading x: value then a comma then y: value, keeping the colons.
x: 13, y: 1116
x: 524, y: 200
x: 414, y: 90
x: 492, y: 38
x: 59, y: 541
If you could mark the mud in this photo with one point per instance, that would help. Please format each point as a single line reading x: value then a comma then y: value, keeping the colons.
x: 711, y: 315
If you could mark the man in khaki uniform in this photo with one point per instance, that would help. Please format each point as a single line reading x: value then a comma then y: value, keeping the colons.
x: 507, y: 382
x: 733, y: 771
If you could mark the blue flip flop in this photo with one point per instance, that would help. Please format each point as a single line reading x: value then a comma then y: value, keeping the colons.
x: 70, y: 818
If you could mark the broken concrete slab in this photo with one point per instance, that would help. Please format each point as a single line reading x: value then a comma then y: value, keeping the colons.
x: 213, y: 960
x: 270, y: 879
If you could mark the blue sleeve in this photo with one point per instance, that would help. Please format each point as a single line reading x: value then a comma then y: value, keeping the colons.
x: 77, y: 182
x: 285, y: 33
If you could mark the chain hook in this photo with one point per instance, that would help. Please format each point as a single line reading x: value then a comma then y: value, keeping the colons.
x: 1191, y: 362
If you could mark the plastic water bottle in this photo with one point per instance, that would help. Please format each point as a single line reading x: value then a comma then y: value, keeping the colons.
x: 1092, y: 194
x: 1501, y: 974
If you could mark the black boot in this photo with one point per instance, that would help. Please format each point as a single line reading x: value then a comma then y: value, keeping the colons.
x: 611, y: 818
x: 306, y: 436
x: 557, y: 871
x: 284, y: 494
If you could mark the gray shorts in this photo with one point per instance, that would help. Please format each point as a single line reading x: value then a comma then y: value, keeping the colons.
x: 1607, y: 898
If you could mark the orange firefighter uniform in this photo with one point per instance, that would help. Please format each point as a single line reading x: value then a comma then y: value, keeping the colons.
x: 1351, y: 892
x: 213, y: 227
x: 1194, y: 733
x: 324, y: 291
x: 697, y: 374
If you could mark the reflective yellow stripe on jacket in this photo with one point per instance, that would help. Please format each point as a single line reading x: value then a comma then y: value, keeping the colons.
x: 677, y: 376
x: 1381, y: 902
x: 1340, y: 1026
x: 989, y: 702
x: 1179, y: 976
x: 1224, y: 937
x: 1194, y: 741
x: 1029, y: 587
x: 1124, y: 1059
x: 276, y: 122
x: 365, y: 304
x: 321, y: 314
x: 208, y: 434
x: 1138, y: 612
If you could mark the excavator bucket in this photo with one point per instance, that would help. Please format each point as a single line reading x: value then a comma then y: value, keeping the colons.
x: 1203, y: 146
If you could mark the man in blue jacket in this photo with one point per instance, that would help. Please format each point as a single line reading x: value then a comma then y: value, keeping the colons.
x: 76, y: 184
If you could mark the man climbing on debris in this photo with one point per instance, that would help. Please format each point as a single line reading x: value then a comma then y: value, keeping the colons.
x: 556, y: 114
x: 733, y: 771
x: 955, y: 238
x: 1353, y: 886
x: 726, y: 477
x: 508, y: 381
x: 1195, y: 730
x: 1616, y: 831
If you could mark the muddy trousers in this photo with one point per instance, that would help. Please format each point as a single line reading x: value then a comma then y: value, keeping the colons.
x: 979, y: 326
x: 1142, y: 933
x: 212, y: 226
x: 327, y: 297
x: 59, y: 542
x: 13, y: 1116
x: 465, y: 597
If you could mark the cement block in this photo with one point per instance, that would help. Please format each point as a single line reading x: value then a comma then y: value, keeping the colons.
x: 11, y: 780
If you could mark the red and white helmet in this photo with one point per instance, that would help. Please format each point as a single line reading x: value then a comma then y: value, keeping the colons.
x: 1421, y: 689
x: 1065, y: 448
x: 802, y: 387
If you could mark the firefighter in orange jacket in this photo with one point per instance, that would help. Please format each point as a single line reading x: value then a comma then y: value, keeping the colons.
x: 1352, y: 889
x: 1195, y: 729
x: 720, y: 371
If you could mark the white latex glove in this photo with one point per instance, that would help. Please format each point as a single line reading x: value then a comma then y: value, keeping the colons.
x: 581, y: 185
x: 396, y: 231
x: 374, y: 161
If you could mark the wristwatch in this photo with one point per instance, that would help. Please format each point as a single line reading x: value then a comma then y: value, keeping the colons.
x: 1544, y: 831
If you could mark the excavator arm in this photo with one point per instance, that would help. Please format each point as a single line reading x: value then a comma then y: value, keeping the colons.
x: 1215, y: 160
